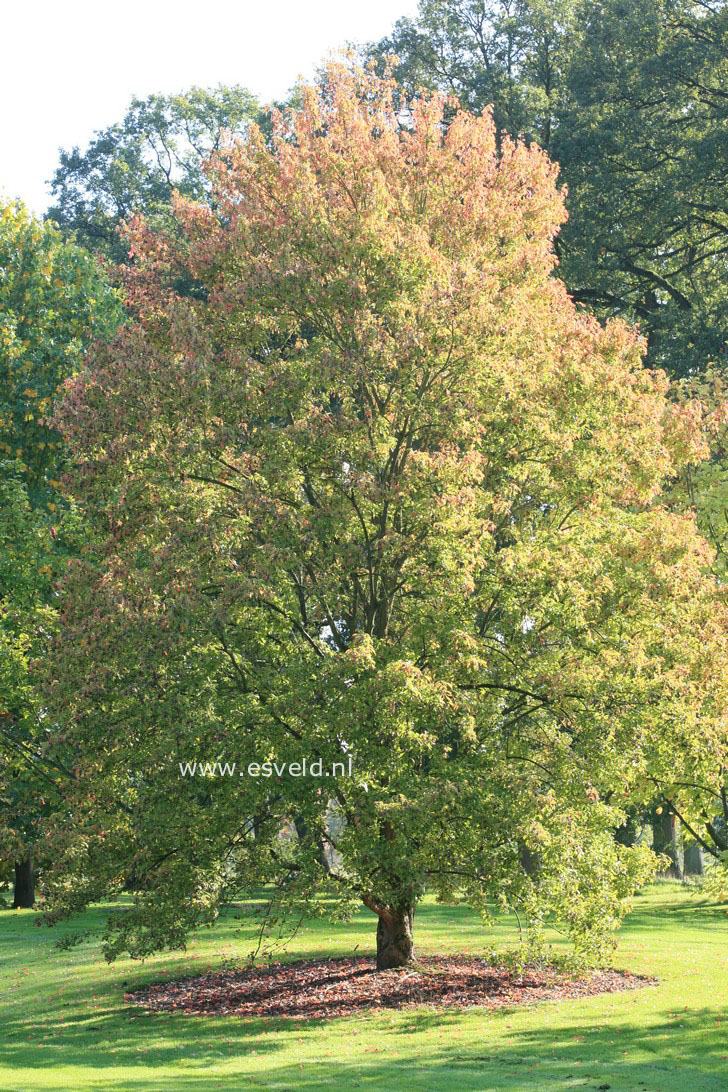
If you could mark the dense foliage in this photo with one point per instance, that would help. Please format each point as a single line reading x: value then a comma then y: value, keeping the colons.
x: 136, y: 165
x: 701, y: 802
x: 53, y: 304
x: 377, y: 490
x: 30, y: 782
x: 630, y: 100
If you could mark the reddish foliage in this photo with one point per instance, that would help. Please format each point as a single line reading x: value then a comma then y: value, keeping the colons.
x: 322, y: 988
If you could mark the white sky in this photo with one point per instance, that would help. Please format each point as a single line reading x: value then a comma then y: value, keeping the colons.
x: 68, y: 67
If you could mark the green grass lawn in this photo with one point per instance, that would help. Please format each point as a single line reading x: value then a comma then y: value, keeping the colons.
x: 64, y: 1023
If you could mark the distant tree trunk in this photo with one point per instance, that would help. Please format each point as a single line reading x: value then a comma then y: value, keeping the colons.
x: 303, y: 834
x: 626, y: 835
x: 24, y: 894
x: 395, y: 937
x: 530, y: 861
x: 693, y: 860
x: 665, y: 841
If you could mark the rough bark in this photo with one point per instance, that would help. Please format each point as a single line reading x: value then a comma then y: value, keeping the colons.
x: 395, y: 937
x: 24, y: 894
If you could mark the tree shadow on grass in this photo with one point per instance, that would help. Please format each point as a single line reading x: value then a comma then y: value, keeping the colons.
x: 671, y: 1053
x: 697, y: 915
x: 666, y: 1052
x: 121, y: 1038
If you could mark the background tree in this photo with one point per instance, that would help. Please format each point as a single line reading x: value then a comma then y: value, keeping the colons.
x: 32, y: 772
x: 642, y: 137
x: 136, y: 165
x: 700, y: 802
x: 512, y: 55
x: 629, y: 100
x: 377, y: 490
x: 53, y: 303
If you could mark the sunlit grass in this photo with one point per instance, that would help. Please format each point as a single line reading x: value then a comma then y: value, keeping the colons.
x: 65, y: 1023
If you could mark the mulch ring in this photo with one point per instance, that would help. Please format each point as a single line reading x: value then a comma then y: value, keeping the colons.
x: 323, y: 988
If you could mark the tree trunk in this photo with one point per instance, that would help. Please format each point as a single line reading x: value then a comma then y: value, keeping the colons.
x: 627, y: 834
x: 530, y: 861
x: 24, y: 895
x: 693, y: 860
x: 303, y: 834
x: 395, y: 938
x: 666, y: 841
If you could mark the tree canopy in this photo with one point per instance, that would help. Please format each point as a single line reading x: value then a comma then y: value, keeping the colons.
x: 31, y: 783
x: 629, y: 99
x: 53, y: 303
x: 135, y: 165
x: 376, y: 490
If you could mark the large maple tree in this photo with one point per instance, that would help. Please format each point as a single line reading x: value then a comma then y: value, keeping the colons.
x: 373, y: 488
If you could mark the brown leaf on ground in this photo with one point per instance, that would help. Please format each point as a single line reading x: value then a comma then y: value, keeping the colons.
x: 324, y: 988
